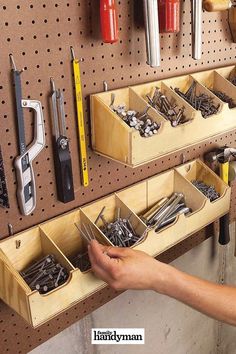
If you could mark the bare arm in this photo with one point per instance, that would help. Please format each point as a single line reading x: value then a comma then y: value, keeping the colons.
x: 128, y: 269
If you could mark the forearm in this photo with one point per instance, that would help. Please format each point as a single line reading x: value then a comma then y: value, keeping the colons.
x: 214, y: 300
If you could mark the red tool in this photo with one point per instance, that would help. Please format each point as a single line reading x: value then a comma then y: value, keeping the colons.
x: 169, y: 16
x: 109, y: 21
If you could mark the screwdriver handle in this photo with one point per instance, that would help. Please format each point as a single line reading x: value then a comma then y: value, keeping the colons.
x: 216, y: 5
x: 169, y: 16
x: 224, y: 237
x: 109, y: 21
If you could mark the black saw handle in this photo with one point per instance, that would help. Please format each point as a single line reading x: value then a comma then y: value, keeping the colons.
x: 63, y: 172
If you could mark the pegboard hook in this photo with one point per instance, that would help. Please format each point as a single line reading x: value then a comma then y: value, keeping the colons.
x: 13, y: 64
x: 73, y: 55
x: 72, y: 52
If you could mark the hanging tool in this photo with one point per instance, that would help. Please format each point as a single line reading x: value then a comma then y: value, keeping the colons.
x: 4, y: 199
x: 62, y: 158
x: 152, y: 32
x: 26, y: 188
x: 196, y: 29
x: 169, y: 16
x: 216, y: 5
x: 223, y: 5
x: 109, y: 21
x: 222, y: 156
x: 80, y: 117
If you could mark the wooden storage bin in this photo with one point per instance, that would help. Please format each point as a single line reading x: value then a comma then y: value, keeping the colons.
x: 227, y: 72
x: 143, y: 196
x: 61, y: 238
x: 112, y: 203
x: 214, y: 81
x: 36, y: 308
x: 64, y: 233
x: 113, y: 138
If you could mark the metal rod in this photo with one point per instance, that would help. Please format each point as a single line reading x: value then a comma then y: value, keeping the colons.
x: 152, y: 32
x: 197, y: 29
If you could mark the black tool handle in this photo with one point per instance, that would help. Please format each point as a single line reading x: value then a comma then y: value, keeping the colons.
x: 63, y: 171
x: 224, y: 237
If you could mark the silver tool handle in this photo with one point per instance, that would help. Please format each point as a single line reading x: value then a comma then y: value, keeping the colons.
x: 25, y: 176
x: 152, y: 32
x: 197, y: 29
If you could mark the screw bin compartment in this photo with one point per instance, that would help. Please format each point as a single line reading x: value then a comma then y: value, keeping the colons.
x: 197, y: 170
x: 60, y: 237
x: 113, y: 138
x: 34, y: 307
x: 213, y: 80
x: 112, y: 204
x: 64, y: 233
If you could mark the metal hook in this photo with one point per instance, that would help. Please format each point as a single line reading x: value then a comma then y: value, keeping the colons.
x: 53, y: 84
x: 73, y: 55
x: 13, y: 64
x: 105, y: 86
x: 10, y: 229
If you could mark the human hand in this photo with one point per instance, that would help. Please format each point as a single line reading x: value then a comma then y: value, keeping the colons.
x: 124, y: 268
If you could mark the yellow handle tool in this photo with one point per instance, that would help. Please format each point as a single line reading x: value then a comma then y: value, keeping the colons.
x: 80, y: 116
x: 224, y: 172
x: 216, y: 5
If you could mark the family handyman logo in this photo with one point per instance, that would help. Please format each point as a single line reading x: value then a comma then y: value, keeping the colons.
x: 117, y: 336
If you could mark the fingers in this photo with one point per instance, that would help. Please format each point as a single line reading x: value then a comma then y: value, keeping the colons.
x: 116, y: 252
x: 98, y: 255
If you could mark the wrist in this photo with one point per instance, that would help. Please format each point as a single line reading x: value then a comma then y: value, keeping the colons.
x: 166, y: 278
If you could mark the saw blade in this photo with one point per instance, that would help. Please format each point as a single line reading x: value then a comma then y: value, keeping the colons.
x: 4, y: 200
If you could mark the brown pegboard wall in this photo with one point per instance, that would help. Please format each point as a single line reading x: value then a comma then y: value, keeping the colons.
x: 39, y: 34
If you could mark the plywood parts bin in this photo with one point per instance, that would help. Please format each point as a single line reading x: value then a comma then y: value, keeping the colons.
x: 61, y: 238
x: 113, y: 138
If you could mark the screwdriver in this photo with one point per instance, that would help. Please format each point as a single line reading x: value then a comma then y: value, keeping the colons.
x: 109, y: 21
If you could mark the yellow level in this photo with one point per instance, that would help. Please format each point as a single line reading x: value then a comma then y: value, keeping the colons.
x: 80, y: 117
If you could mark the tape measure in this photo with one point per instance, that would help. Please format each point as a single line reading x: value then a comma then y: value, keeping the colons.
x: 80, y: 117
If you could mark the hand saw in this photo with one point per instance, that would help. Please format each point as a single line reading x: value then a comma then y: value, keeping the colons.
x: 26, y: 188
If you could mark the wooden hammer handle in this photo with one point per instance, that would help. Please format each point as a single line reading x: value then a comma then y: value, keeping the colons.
x: 216, y: 5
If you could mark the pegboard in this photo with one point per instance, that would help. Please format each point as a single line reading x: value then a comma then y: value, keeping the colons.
x: 39, y: 35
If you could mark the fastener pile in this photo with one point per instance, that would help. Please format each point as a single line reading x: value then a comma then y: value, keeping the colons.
x: 120, y: 232
x: 168, y: 110
x: 165, y: 211
x: 139, y: 121
x: 209, y: 191
x: 201, y: 102
x: 225, y: 98
x: 81, y: 261
x: 233, y: 80
x: 45, y: 275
